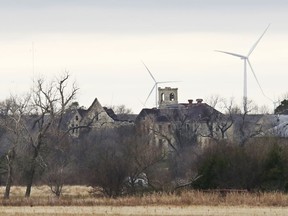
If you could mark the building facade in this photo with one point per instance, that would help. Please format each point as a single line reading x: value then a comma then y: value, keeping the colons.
x: 93, y: 118
x: 176, y: 125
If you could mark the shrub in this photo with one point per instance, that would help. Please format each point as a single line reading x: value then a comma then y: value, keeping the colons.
x: 252, y: 167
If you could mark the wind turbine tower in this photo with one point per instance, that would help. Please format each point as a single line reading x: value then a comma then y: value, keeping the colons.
x: 245, y: 58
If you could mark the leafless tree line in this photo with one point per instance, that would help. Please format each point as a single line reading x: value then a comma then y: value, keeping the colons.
x: 31, y: 119
x: 36, y: 146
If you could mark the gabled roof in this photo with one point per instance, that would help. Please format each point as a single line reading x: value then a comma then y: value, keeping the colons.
x: 82, y: 111
x: 93, y: 104
x: 110, y: 112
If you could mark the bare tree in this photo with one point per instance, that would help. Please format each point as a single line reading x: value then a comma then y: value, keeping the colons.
x: 176, y: 132
x: 50, y: 101
x: 116, y: 160
x: 13, y: 111
x: 248, y: 126
x: 221, y: 122
x: 142, y: 157
x: 58, y: 160
x: 105, y: 161
x: 176, y: 128
x: 121, y: 109
x: 244, y: 124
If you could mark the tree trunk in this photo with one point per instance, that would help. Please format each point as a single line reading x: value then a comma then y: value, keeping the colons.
x: 31, y: 173
x: 30, y: 179
x: 10, y: 158
x: 58, y: 190
x: 9, y: 178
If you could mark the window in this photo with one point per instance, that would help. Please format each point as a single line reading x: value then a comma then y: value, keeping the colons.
x: 160, y: 143
x: 172, y: 97
x: 169, y: 128
x: 73, y: 130
x: 76, y: 117
x: 160, y: 128
x: 162, y: 97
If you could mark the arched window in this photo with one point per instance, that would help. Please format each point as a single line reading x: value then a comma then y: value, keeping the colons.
x: 162, y: 97
x: 172, y: 97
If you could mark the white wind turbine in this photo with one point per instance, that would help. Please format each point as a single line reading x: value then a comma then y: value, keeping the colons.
x: 246, y: 60
x: 155, y: 86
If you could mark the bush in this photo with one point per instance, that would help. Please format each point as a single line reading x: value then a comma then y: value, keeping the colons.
x: 222, y: 166
x: 274, y: 175
x: 253, y: 167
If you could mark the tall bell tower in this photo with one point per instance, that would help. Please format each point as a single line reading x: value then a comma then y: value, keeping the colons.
x: 167, y: 96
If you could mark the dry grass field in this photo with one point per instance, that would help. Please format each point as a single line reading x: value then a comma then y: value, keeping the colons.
x: 77, y: 200
x: 143, y: 210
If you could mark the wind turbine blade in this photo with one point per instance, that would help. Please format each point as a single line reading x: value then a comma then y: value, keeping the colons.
x: 150, y: 93
x: 229, y: 53
x: 257, y: 80
x: 254, y: 46
x: 141, y: 102
x: 168, y: 82
x: 149, y: 72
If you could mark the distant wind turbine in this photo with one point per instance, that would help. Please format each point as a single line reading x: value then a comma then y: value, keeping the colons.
x: 155, y: 86
x: 246, y: 60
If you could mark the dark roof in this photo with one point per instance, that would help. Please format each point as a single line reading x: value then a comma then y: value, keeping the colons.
x: 251, y: 118
x: 162, y: 118
x: 127, y: 117
x: 82, y: 112
x: 111, y: 113
x: 146, y: 112
x: 194, y: 112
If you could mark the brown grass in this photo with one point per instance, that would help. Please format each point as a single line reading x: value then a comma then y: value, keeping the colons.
x: 143, y: 210
x: 80, y: 196
x: 77, y: 200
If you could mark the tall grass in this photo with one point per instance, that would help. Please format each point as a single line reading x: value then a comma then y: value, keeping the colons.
x: 80, y: 196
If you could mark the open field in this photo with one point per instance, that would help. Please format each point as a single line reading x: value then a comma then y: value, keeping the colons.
x: 81, y: 196
x: 143, y: 210
x: 77, y: 200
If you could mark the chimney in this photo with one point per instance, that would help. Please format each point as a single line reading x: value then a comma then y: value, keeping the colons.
x: 190, y: 101
x: 199, y: 100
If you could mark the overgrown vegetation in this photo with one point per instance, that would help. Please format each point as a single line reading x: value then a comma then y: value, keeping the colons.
x: 130, y: 159
x: 79, y: 196
x: 260, y: 165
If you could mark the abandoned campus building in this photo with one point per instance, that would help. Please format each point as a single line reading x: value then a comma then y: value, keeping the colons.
x: 95, y: 117
x: 181, y: 123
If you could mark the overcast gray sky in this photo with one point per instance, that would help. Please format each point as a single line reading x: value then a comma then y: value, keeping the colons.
x: 102, y: 43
